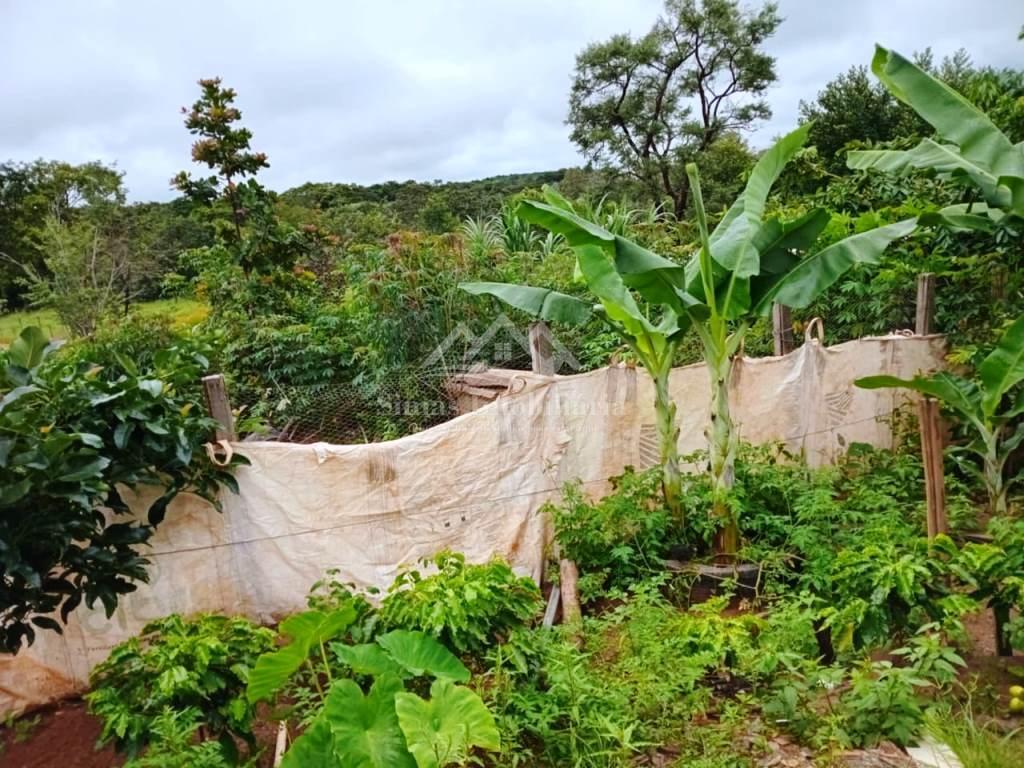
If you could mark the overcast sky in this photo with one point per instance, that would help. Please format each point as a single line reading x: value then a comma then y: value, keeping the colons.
x: 389, y: 89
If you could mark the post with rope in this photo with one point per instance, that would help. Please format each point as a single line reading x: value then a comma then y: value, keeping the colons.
x: 219, y: 406
x: 928, y: 419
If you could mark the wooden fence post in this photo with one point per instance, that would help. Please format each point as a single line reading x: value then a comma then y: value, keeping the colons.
x: 541, y: 353
x: 925, y: 304
x: 782, y: 330
x: 928, y: 420
x: 219, y: 406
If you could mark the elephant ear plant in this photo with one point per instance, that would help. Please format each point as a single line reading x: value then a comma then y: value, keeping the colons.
x: 740, y: 269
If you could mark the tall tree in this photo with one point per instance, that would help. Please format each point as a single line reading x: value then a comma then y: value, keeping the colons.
x: 651, y: 105
x: 240, y: 208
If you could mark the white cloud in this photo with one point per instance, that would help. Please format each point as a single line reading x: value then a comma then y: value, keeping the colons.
x: 396, y: 89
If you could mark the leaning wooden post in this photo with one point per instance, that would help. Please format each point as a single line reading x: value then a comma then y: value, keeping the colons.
x: 928, y: 420
x: 568, y: 579
x: 782, y: 330
x: 541, y: 353
x: 219, y: 406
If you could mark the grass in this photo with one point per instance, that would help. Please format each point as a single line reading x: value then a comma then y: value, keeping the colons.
x: 183, y: 312
x: 977, y: 745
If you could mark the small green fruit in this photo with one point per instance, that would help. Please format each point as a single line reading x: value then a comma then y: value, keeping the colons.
x: 1017, y: 691
x: 1016, y: 705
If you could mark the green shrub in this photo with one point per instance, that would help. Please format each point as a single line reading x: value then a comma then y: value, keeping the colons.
x: 176, y: 743
x: 619, y: 539
x: 201, y: 663
x: 467, y: 607
x: 77, y: 427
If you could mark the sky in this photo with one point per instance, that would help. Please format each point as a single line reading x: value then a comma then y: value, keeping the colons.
x: 363, y: 92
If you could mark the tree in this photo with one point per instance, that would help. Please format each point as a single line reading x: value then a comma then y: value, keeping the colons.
x: 240, y: 208
x: 31, y: 194
x: 653, y: 104
x: 853, y: 108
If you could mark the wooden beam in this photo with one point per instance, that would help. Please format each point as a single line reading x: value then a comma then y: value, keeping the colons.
x: 541, y: 353
x: 929, y: 421
x: 219, y: 406
x: 782, y: 330
x: 931, y: 456
x: 924, y: 322
x: 569, y: 576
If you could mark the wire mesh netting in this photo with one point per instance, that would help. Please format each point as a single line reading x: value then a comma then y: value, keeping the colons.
x: 403, y: 402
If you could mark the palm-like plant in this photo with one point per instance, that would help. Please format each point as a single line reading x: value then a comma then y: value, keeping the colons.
x: 482, y: 236
x: 969, y: 147
x: 741, y: 268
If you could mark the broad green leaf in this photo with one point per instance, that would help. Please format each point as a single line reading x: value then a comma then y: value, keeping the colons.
x: 813, y: 275
x: 12, y: 492
x: 929, y: 154
x: 307, y: 630
x: 313, y: 749
x: 28, y: 350
x: 777, y: 240
x: 1003, y: 368
x: 954, y: 118
x: 576, y: 230
x: 90, y: 468
x: 606, y: 283
x: 368, y: 659
x: 365, y: 728
x: 959, y: 394
x: 657, y: 279
x: 540, y: 302
x: 732, y: 240
x: 442, y: 731
x: 16, y: 394
x: 421, y: 654
x: 963, y: 217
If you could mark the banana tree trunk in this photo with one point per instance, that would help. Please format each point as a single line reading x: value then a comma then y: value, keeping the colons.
x: 668, y: 436
x: 722, y: 457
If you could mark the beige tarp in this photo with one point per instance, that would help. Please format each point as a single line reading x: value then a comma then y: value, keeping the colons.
x: 474, y: 484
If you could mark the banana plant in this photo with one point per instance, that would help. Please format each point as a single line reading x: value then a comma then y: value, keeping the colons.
x: 968, y: 147
x: 985, y: 405
x: 739, y: 270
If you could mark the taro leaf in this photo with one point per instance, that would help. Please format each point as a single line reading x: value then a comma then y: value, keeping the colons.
x: 307, y: 630
x: 365, y: 728
x: 1003, y: 368
x: 313, y: 749
x: 539, y: 302
x: 421, y: 654
x: 28, y: 350
x: 441, y: 731
x: 368, y: 659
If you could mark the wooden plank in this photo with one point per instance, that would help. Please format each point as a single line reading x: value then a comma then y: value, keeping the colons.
x: 782, y: 330
x: 932, y: 459
x: 552, y: 609
x: 219, y: 406
x: 281, y: 744
x: 541, y: 352
x: 569, y: 576
x: 924, y: 322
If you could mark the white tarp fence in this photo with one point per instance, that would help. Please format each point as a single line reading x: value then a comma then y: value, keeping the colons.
x: 474, y: 484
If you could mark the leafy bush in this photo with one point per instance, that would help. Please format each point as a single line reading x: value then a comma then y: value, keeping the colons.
x: 467, y: 607
x: 617, y: 540
x: 75, y: 428
x: 175, y: 742
x: 201, y: 663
